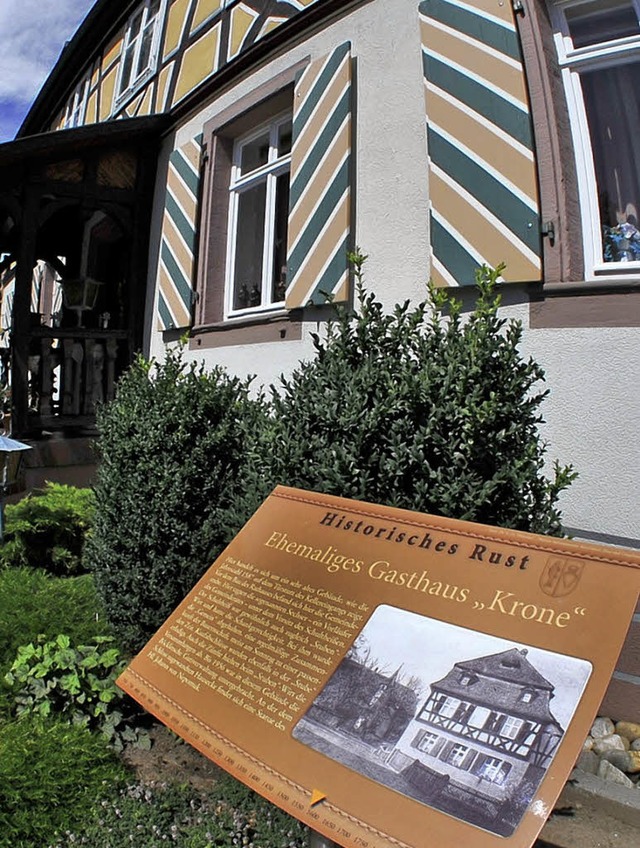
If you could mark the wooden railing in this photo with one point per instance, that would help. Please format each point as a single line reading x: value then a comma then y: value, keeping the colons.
x: 70, y: 371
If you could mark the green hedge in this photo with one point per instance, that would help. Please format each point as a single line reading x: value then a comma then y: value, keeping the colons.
x: 170, y: 446
x: 424, y: 408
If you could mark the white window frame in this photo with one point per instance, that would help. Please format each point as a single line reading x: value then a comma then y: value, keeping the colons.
x: 274, y: 168
x: 76, y: 110
x: 135, y: 83
x: 511, y: 726
x: 456, y: 755
x: 449, y: 706
x: 427, y: 742
x: 572, y: 63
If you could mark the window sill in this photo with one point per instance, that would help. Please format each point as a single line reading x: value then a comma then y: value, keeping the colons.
x: 254, y: 329
x: 612, y: 283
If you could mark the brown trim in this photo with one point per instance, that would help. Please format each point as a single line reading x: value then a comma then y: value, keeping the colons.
x: 585, y: 309
x: 219, y: 133
x: 258, y: 97
x: 559, y: 204
x: 251, y: 331
x: 214, y: 221
x: 622, y: 699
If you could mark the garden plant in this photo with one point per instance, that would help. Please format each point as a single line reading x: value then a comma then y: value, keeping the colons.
x: 426, y: 407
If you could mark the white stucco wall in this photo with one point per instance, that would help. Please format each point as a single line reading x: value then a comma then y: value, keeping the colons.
x: 390, y: 197
x: 593, y: 411
x: 593, y: 421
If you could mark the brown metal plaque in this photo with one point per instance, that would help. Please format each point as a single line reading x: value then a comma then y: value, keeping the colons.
x: 389, y: 677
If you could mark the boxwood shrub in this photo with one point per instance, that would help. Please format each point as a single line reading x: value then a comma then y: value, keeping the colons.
x: 170, y: 445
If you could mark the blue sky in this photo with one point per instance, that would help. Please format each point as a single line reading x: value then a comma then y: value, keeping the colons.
x: 32, y: 35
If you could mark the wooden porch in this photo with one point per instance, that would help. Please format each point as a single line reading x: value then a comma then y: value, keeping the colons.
x: 75, y: 210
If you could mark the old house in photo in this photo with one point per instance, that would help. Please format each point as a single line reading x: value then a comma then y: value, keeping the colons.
x: 202, y: 168
x: 364, y: 703
x: 487, y: 724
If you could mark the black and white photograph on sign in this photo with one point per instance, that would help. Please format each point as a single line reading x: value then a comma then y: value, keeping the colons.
x: 464, y: 722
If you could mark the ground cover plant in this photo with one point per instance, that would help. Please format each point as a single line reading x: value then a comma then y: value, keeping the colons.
x: 78, y: 682
x: 46, y: 529
x: 158, y: 815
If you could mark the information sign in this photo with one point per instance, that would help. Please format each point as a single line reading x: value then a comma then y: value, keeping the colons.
x: 390, y: 677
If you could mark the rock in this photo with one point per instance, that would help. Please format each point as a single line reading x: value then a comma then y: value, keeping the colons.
x: 635, y: 745
x: 613, y: 775
x: 589, y: 762
x: 629, y: 729
x: 588, y: 744
x: 608, y: 743
x: 602, y: 726
x: 620, y: 759
x: 634, y: 762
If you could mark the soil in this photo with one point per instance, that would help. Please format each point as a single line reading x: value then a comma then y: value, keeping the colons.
x: 576, y: 826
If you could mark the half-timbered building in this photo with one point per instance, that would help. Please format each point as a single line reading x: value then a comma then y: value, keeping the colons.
x: 487, y: 724
x: 202, y: 168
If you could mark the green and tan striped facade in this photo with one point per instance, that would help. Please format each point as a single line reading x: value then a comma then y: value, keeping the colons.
x: 483, y: 180
x: 481, y: 174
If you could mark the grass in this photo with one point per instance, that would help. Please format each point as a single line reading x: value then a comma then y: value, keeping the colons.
x: 62, y: 786
x: 32, y: 602
x: 50, y: 775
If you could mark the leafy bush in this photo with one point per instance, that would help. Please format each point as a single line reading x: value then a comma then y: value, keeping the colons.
x: 155, y: 816
x: 50, y: 775
x: 417, y: 411
x: 170, y: 445
x: 78, y: 683
x: 46, y: 529
x: 33, y: 603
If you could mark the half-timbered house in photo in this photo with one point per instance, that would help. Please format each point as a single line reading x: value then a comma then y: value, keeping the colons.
x: 488, y: 724
x: 204, y: 167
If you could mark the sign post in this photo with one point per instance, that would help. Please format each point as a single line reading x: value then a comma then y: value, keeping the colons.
x: 381, y: 674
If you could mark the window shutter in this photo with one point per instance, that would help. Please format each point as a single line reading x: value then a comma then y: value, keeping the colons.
x: 418, y: 738
x: 320, y: 193
x: 176, y: 270
x: 469, y: 757
x: 444, y: 751
x: 482, y: 165
x: 438, y: 745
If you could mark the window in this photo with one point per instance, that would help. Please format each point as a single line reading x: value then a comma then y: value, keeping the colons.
x: 77, y: 106
x: 598, y: 44
x: 455, y: 755
x: 140, y: 48
x: 491, y: 769
x: 479, y: 717
x: 511, y: 727
x: 426, y: 741
x: 258, y: 215
x: 449, y: 707
x: 265, y: 252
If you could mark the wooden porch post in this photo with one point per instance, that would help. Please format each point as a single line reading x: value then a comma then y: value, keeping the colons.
x: 20, y: 328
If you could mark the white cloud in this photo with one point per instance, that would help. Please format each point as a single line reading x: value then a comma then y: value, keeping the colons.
x: 32, y: 35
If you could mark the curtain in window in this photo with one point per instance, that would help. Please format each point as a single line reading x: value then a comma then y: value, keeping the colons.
x: 612, y: 103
